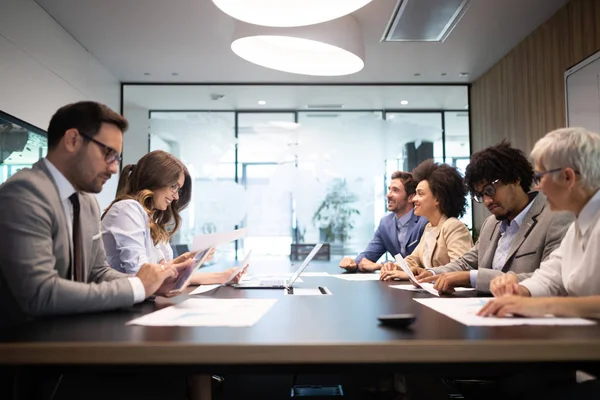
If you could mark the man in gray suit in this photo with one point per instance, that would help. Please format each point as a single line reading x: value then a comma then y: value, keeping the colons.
x: 521, y: 233
x: 52, y: 260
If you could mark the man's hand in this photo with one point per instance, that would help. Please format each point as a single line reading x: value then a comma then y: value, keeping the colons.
x: 153, y: 276
x: 507, y: 284
x: 348, y: 264
x: 508, y: 306
x: 445, y: 283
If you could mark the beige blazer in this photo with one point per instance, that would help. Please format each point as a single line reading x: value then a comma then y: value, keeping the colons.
x: 453, y: 240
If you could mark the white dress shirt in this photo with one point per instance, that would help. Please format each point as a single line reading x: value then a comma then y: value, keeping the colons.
x: 572, y: 269
x: 65, y: 190
x: 508, y: 231
x: 127, y: 239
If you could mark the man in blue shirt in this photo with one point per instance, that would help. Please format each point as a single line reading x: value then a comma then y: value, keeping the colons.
x: 398, y: 232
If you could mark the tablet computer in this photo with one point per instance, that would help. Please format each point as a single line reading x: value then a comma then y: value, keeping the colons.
x: 185, y: 275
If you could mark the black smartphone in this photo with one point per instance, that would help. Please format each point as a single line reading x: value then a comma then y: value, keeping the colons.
x: 397, y: 320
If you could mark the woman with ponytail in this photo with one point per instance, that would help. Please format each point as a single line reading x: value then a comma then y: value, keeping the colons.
x: 137, y: 226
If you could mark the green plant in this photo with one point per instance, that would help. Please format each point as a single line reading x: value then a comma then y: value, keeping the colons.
x: 335, y: 214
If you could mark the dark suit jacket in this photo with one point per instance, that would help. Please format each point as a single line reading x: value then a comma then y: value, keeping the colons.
x: 36, y: 249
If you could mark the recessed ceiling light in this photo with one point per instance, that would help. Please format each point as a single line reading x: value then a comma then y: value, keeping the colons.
x: 262, y: 102
x: 463, y: 74
x: 404, y: 102
x: 288, y: 13
x: 332, y: 49
x: 147, y: 73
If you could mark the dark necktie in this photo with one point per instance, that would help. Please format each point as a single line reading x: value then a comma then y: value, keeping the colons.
x: 77, y: 255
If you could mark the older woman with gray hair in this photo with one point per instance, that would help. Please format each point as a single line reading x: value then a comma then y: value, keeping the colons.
x: 567, y: 164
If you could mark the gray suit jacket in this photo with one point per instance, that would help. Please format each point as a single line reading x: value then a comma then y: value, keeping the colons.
x: 541, y: 232
x: 36, y: 249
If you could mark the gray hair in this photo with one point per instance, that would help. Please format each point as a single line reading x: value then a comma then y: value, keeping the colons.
x: 576, y: 148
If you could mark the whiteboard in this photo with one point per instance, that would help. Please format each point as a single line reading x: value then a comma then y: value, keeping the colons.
x: 582, y: 91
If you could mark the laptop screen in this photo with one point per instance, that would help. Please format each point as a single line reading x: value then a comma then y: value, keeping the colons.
x: 308, y: 259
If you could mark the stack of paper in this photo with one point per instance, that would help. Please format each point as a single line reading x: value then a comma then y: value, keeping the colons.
x: 464, y: 310
x: 209, y: 312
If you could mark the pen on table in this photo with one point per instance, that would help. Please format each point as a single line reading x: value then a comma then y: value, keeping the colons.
x: 322, y: 290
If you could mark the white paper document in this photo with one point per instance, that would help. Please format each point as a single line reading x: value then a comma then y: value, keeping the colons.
x: 464, y: 310
x: 204, y: 288
x: 209, y: 312
x: 357, y: 277
x: 249, y: 278
x: 416, y: 289
x: 315, y: 274
x: 217, y: 239
x: 427, y: 286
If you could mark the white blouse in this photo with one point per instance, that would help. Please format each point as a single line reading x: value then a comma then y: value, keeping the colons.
x: 572, y: 269
x: 127, y: 240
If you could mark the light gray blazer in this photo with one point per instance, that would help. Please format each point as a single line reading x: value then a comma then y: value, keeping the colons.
x: 540, y: 233
x: 35, y: 253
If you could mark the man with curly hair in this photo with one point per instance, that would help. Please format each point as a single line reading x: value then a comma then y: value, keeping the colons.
x: 521, y: 232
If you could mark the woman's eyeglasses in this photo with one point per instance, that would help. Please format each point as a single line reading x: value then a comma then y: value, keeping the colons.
x: 537, y: 177
x: 175, y: 188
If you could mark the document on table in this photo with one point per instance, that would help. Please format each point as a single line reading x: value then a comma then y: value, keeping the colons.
x: 204, y: 288
x: 464, y: 310
x: 427, y: 286
x: 416, y: 289
x: 315, y: 274
x: 217, y: 239
x: 209, y: 312
x: 247, y: 278
x: 358, y: 277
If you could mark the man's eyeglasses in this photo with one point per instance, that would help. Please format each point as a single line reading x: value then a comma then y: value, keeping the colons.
x: 175, y: 188
x: 488, y: 190
x: 110, y: 154
x: 537, y: 177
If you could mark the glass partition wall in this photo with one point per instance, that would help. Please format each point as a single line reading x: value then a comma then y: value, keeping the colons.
x: 21, y: 145
x: 301, y: 176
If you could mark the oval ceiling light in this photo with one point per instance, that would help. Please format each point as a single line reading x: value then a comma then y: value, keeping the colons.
x: 334, y: 48
x: 288, y: 13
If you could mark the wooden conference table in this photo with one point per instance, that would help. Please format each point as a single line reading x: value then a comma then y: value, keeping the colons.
x: 300, y: 333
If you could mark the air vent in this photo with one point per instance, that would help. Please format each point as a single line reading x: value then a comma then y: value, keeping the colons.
x: 321, y: 115
x: 424, y: 20
x: 324, y: 106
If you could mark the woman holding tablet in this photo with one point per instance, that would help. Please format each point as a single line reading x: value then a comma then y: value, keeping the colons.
x: 137, y: 226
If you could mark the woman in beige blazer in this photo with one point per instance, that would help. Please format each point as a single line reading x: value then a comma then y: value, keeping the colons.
x: 440, y: 198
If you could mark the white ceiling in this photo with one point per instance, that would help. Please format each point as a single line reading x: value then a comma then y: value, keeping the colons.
x: 238, y: 97
x: 192, y: 38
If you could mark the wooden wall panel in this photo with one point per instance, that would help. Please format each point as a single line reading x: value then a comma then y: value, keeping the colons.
x: 522, y: 97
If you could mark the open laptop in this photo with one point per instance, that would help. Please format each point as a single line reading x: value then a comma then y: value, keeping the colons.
x: 268, y: 283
